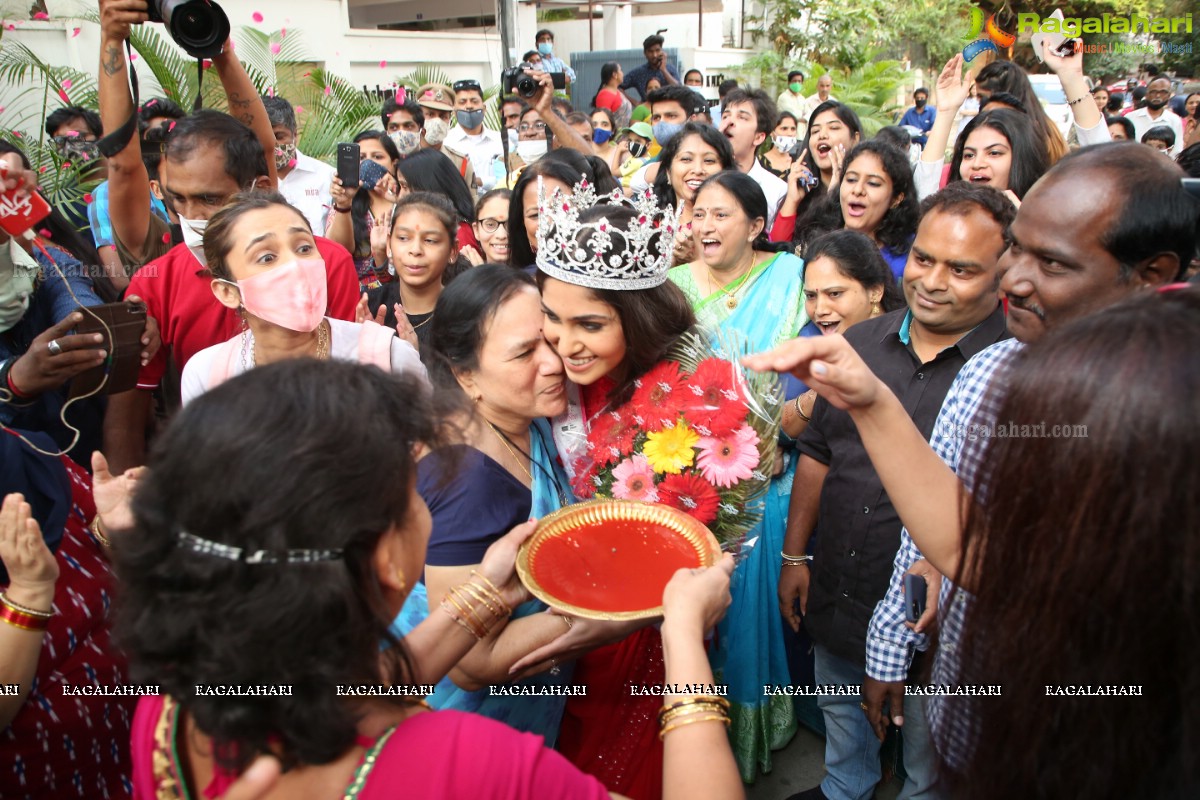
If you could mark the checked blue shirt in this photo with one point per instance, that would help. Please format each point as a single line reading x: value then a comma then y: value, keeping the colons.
x: 968, y: 413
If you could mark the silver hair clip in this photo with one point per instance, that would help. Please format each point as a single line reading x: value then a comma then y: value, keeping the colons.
x: 230, y: 553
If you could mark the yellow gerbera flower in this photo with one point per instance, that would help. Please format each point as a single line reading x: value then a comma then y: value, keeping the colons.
x: 671, y: 449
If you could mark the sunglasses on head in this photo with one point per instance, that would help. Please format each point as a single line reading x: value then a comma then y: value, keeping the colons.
x: 467, y: 85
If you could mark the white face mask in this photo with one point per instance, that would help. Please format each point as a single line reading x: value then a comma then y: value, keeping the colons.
x: 406, y: 142
x: 785, y: 143
x: 530, y: 150
x: 193, y: 237
x: 16, y: 285
x: 436, y: 131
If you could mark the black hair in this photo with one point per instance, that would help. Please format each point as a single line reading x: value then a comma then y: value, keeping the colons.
x: 1139, y: 96
x: 578, y: 117
x: 61, y: 116
x: 765, y: 111
x: 157, y: 107
x: 188, y: 618
x: 673, y: 93
x: 567, y: 166
x: 810, y: 210
x: 544, y: 32
x: 512, y: 98
x: 280, y: 112
x: 503, y: 193
x: 245, y: 161
x: 68, y: 237
x: 1005, y: 76
x: 530, y: 55
x: 726, y: 86
x: 651, y: 41
x: 753, y: 202
x: 652, y: 319
x: 1115, y: 101
x: 960, y: 198
x: 436, y: 204
x: 1005, y: 100
x: 785, y: 115
x: 1126, y: 125
x: 899, y: 224
x: 687, y: 74
x: 921, y: 90
x: 1157, y: 215
x: 390, y: 106
x: 430, y: 171
x: 894, y: 135
x: 1160, y: 133
x: 794, y: 73
x: 1030, y: 160
x: 712, y: 137
x: 360, y: 204
x: 607, y: 71
x: 153, y: 142
x: 561, y: 106
x: 461, y: 318
x: 1189, y: 162
x: 606, y: 112
x: 858, y: 258
x: 218, y: 234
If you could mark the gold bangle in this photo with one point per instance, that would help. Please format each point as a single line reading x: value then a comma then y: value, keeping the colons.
x: 478, y: 596
x: 487, y: 598
x: 800, y: 410
x: 461, y: 619
x: 476, y: 625
x: 95, y: 529
x: 490, y: 585
x: 703, y: 708
x: 473, y: 603
x: 698, y: 698
x: 33, y: 612
x: 662, y: 735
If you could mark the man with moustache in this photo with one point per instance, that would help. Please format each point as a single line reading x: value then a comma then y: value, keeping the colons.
x: 953, y: 313
x: 1155, y: 112
x: 1104, y: 222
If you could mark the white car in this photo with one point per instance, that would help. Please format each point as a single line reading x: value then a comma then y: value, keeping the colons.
x: 1050, y: 93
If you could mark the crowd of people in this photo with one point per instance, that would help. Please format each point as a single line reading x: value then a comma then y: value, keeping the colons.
x: 345, y: 399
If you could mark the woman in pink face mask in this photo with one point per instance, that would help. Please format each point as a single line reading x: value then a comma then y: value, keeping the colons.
x: 265, y: 264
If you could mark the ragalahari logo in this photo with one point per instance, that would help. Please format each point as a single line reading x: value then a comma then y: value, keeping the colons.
x: 985, y: 36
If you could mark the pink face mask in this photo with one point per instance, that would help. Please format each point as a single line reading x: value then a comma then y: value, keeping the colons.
x: 292, y: 296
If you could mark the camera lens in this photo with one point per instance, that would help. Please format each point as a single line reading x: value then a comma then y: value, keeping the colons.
x: 194, y: 25
x: 526, y: 86
x: 198, y: 26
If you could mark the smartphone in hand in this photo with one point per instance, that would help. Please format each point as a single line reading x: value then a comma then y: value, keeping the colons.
x: 915, y: 588
x: 348, y: 159
x: 370, y: 173
x: 122, y: 325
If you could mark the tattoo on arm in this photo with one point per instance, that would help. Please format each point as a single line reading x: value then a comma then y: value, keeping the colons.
x: 113, y: 60
x: 239, y: 108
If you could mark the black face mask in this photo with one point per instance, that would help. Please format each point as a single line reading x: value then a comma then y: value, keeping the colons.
x: 920, y: 101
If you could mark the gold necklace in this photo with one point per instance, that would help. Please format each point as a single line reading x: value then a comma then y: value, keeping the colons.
x: 423, y: 322
x: 322, y: 345
x: 731, y: 299
x: 504, y: 441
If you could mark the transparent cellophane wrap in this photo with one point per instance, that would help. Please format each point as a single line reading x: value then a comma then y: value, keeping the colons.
x: 700, y: 434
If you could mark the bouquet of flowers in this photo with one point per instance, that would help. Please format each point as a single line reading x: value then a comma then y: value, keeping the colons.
x: 698, y: 434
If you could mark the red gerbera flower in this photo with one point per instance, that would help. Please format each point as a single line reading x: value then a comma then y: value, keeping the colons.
x: 716, y: 403
x: 659, y: 396
x: 611, y: 436
x: 691, y: 494
x: 583, y: 484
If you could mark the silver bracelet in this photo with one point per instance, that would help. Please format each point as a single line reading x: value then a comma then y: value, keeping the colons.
x: 795, y: 559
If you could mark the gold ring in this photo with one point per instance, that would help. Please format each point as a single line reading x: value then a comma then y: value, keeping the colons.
x: 569, y: 621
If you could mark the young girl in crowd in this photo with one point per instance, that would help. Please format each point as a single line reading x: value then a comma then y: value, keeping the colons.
x: 876, y: 197
x: 353, y: 216
x: 422, y: 247
x: 296, y: 583
x: 265, y: 264
x: 608, y: 336
x: 491, y: 229
x: 833, y: 129
x: 1005, y: 76
x: 777, y: 157
x: 423, y: 171
x: 693, y: 155
x: 559, y: 169
x: 741, y: 285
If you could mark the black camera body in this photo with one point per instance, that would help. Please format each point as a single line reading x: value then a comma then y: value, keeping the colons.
x: 514, y: 80
x: 198, y: 26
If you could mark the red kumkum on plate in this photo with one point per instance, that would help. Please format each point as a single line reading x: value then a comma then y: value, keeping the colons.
x: 611, y: 559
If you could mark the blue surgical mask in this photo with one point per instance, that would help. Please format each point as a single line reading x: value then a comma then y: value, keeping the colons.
x: 600, y: 135
x: 666, y: 131
x: 546, y: 48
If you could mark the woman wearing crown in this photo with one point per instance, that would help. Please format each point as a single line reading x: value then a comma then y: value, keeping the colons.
x: 613, y: 317
x: 740, y: 284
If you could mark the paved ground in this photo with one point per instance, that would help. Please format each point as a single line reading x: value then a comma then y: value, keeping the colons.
x: 799, y: 766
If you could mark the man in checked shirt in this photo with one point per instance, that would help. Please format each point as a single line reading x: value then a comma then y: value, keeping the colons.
x: 1105, y: 222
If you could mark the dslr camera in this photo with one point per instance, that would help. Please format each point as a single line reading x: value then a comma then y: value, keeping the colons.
x: 198, y: 26
x: 514, y: 80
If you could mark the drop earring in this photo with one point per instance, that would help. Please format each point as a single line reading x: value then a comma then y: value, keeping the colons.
x: 400, y: 579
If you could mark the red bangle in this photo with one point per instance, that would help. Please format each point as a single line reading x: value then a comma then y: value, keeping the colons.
x: 12, y: 387
x: 22, y: 620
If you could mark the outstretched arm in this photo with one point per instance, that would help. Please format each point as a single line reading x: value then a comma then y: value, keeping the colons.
x: 245, y: 104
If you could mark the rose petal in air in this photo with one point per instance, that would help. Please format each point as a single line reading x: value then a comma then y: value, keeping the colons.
x: 87, y: 197
x: 382, y: 64
x: 75, y: 32
x: 67, y: 83
x: 256, y: 16
x: 41, y: 15
x: 275, y: 48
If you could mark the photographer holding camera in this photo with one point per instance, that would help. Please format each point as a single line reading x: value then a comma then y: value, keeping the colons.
x: 540, y: 118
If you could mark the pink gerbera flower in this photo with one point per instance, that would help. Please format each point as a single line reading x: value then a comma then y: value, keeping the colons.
x: 729, y: 459
x: 634, y: 480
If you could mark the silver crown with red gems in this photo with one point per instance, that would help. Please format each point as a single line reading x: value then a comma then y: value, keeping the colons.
x: 600, y: 254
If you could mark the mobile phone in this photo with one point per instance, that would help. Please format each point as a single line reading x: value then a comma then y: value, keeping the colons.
x: 19, y: 214
x: 1055, y: 42
x: 123, y: 343
x: 914, y: 597
x: 1067, y: 48
x: 370, y: 173
x: 348, y: 158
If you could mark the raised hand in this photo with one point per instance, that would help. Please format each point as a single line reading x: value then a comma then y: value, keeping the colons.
x: 827, y: 364
x: 112, y: 493
x: 32, y: 570
x: 952, y: 90
x: 695, y: 599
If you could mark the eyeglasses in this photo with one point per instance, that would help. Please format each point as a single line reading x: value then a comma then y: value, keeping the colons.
x: 1159, y: 93
x: 490, y: 224
x: 526, y: 127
